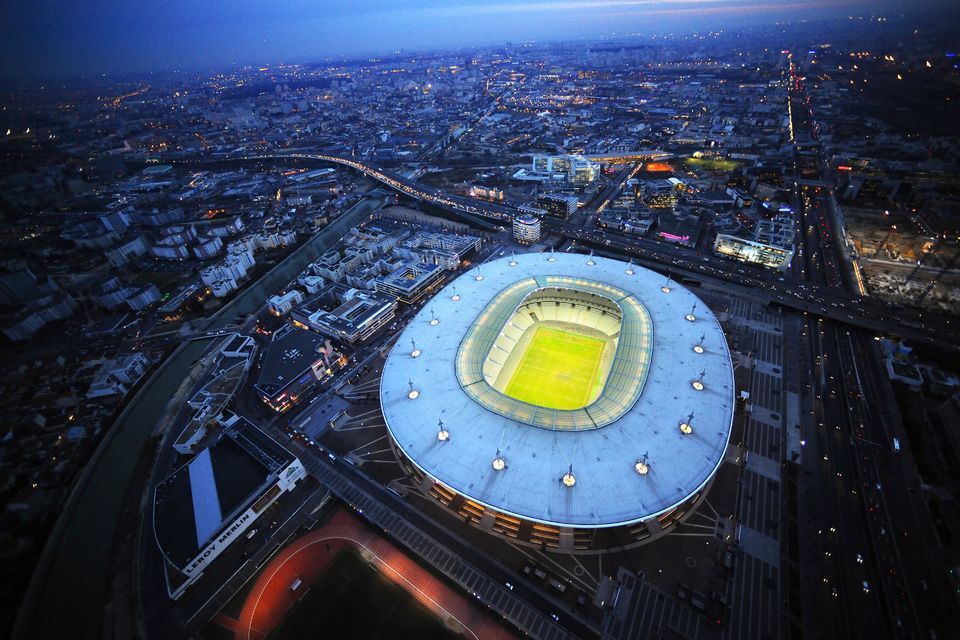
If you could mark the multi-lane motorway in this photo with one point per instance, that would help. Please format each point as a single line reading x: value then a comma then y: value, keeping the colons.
x: 825, y: 301
x: 871, y: 531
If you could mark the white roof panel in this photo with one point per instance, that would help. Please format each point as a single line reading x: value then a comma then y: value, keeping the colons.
x: 608, y: 490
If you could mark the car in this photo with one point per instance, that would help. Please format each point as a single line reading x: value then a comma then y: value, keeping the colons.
x: 866, y: 586
x: 859, y: 559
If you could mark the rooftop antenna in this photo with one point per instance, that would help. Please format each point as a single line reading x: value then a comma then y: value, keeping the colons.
x: 416, y: 352
x: 698, y: 348
x: 442, y: 434
x: 690, y: 317
x: 630, y: 270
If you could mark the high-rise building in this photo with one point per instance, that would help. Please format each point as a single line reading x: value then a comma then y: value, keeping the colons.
x: 526, y: 228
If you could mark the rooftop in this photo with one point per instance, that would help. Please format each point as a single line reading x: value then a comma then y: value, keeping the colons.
x: 199, y: 498
x: 291, y: 352
x: 608, y: 489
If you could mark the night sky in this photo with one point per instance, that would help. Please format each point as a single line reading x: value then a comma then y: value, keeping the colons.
x: 60, y: 38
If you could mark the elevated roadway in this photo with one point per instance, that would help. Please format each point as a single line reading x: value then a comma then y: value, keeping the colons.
x: 924, y: 327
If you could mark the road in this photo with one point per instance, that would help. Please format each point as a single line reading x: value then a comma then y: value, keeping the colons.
x: 824, y: 301
x: 870, y: 521
x: 827, y: 301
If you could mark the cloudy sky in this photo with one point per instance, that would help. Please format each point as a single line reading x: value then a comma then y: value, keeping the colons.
x: 57, y: 38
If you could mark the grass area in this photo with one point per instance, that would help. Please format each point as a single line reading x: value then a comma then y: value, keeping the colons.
x: 353, y: 600
x: 710, y: 164
x: 559, y: 370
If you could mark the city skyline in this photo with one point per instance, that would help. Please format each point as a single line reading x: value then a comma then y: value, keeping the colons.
x: 59, y: 40
x: 580, y: 338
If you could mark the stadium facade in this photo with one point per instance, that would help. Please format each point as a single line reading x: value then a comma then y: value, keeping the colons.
x: 566, y: 401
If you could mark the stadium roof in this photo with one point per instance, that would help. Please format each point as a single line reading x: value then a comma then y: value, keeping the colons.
x: 608, y: 489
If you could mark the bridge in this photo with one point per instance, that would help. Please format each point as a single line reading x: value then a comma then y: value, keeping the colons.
x: 406, y: 186
x: 930, y: 328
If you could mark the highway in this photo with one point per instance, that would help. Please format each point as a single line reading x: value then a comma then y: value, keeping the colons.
x: 827, y: 299
x: 824, y: 301
x: 406, y: 186
x: 870, y: 524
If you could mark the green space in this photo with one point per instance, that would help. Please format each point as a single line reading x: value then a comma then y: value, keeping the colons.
x: 709, y: 164
x: 351, y: 599
x: 559, y: 370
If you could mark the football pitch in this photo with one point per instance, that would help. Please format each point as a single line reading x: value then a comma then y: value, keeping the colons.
x: 559, y: 370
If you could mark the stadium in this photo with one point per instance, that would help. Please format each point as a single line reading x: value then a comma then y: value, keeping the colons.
x: 566, y: 401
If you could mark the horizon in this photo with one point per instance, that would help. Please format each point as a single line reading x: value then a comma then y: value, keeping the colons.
x: 61, y: 43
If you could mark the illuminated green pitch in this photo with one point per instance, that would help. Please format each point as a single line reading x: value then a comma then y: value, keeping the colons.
x: 559, y: 370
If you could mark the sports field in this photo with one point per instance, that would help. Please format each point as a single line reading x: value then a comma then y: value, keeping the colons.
x: 559, y: 370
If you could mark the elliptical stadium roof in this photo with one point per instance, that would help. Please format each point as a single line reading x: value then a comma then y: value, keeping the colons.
x: 608, y: 490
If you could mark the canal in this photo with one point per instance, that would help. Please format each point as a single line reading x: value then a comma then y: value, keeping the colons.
x: 68, y: 596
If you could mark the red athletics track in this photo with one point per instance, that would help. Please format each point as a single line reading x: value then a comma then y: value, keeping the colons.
x: 307, y: 557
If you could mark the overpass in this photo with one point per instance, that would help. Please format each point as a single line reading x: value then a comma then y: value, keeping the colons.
x: 871, y: 314
x: 868, y: 313
x: 406, y: 186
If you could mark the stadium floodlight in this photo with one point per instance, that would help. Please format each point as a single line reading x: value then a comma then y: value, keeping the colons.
x: 642, y: 467
x: 442, y: 434
x: 690, y: 317
x: 433, y: 319
x: 698, y: 348
x: 686, y: 427
x: 413, y: 393
x: 416, y: 352
x: 499, y: 464
x: 698, y: 383
x: 568, y: 478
